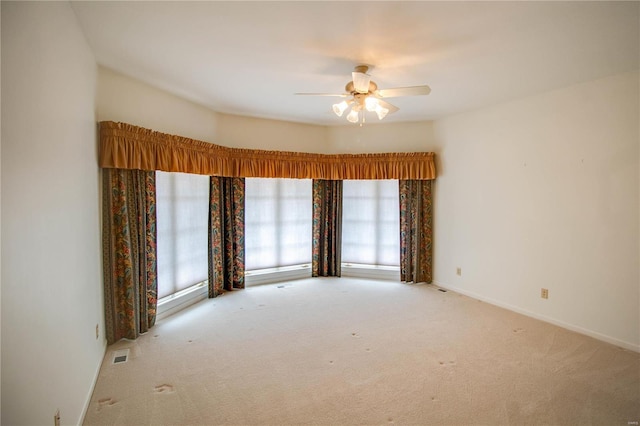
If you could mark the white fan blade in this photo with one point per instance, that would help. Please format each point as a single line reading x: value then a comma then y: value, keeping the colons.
x: 387, y: 105
x: 341, y: 95
x: 403, y: 91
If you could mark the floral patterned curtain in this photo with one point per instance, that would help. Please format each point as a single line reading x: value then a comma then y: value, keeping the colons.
x: 226, y: 234
x: 129, y: 251
x: 416, y: 231
x: 327, y: 228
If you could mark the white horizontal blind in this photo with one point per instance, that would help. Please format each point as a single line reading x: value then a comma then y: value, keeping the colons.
x: 371, y: 222
x: 277, y: 222
x: 182, y: 221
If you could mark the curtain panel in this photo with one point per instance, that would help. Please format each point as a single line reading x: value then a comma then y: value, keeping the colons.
x: 226, y: 234
x: 326, y: 256
x: 129, y: 252
x: 416, y: 231
x: 125, y: 146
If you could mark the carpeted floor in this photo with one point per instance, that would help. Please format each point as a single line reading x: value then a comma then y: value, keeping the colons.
x: 332, y: 351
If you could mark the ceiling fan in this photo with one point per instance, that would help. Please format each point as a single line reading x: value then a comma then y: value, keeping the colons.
x: 362, y: 94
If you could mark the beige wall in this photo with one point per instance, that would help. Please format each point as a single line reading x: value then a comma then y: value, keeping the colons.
x: 256, y: 133
x: 543, y: 192
x: 51, y: 257
x: 121, y: 98
x: 382, y: 137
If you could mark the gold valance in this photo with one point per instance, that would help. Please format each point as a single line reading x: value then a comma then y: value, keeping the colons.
x: 125, y: 146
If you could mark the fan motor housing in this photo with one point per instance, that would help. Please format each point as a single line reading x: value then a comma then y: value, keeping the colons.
x: 350, y: 88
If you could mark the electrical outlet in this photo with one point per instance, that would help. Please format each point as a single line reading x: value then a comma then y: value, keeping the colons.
x: 459, y: 271
x: 97, y: 331
x: 56, y: 418
x: 544, y: 293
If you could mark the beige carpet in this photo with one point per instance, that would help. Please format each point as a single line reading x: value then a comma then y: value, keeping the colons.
x: 352, y: 352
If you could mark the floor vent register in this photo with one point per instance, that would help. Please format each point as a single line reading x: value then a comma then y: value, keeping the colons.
x: 120, y: 356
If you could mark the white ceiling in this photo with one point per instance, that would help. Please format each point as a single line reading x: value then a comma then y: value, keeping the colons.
x: 249, y: 58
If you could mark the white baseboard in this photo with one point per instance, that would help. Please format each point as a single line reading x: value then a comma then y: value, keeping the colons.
x: 577, y: 329
x: 275, y: 275
x: 288, y: 273
x: 183, y: 299
x: 87, y: 402
x: 373, y: 272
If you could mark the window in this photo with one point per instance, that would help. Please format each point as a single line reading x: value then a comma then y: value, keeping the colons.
x: 371, y: 222
x: 182, y: 237
x: 277, y: 222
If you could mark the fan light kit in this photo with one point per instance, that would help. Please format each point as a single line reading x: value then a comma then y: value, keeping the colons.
x: 363, y: 95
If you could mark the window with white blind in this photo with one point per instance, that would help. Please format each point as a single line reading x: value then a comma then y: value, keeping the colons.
x: 277, y: 222
x: 370, y: 222
x: 182, y: 220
